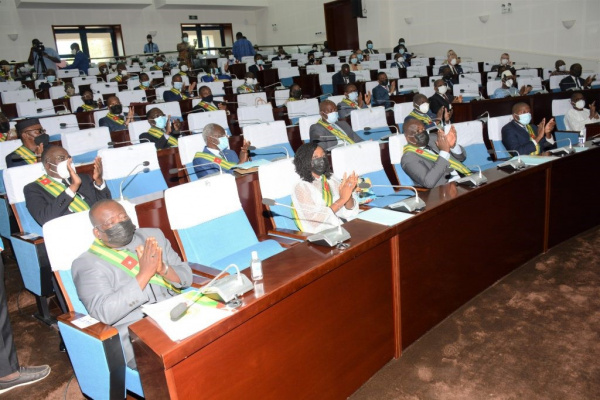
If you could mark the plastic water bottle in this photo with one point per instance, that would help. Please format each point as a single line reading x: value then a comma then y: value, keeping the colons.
x: 256, y: 267
x: 582, y: 138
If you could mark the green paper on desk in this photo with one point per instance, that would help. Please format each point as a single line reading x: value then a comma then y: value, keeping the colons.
x: 384, y: 216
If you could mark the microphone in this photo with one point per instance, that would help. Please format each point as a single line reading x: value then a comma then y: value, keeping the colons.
x: 483, y: 117
x: 473, y: 180
x: 407, y: 205
x: 252, y: 121
x: 64, y: 109
x: 413, y: 89
x: 273, y: 84
x: 344, y: 144
x: 174, y: 171
x: 226, y: 290
x: 112, y: 144
x: 332, y: 237
x: 144, y: 164
x: 512, y: 165
x: 469, y: 79
x: 563, y: 151
x: 64, y: 125
x: 318, y: 97
x: 386, y: 137
x: 287, y: 154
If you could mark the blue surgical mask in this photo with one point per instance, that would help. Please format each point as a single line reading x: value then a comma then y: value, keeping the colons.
x: 160, y: 63
x: 145, y: 83
x: 353, y: 96
x: 370, y: 46
x: 401, y: 51
x: 525, y: 119
x: 332, y: 117
x: 161, y: 122
x: 360, y: 57
x: 260, y: 62
x: 353, y: 61
x: 178, y: 85
x: 223, y: 143
x: 50, y: 78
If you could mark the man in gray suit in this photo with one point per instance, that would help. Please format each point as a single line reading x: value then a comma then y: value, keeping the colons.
x: 328, y: 131
x: 432, y: 159
x: 125, y: 268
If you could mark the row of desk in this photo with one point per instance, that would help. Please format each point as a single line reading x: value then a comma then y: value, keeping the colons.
x: 329, y: 319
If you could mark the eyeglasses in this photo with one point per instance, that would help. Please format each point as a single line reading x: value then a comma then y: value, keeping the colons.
x: 36, y: 132
x: 109, y: 223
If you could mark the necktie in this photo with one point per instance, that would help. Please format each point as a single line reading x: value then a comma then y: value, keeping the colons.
x: 260, y: 68
x: 345, y: 80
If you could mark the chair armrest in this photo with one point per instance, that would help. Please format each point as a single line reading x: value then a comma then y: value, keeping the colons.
x: 99, y: 331
x: 33, y: 240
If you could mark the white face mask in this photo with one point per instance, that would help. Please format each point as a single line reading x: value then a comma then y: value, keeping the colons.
x: 562, y: 68
x: 231, y: 57
x: 580, y: 104
x: 509, y: 83
x: 250, y: 81
x: 113, y: 67
x: 123, y: 72
x: 504, y: 61
x: 73, y: 51
x: 443, y: 89
x: 424, y: 108
x: 61, y: 169
x: 184, y: 68
x: 400, y: 59
x: 453, y: 61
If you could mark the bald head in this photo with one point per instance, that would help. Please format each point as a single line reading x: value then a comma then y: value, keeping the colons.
x: 412, y: 126
x: 105, y: 210
x: 327, y: 106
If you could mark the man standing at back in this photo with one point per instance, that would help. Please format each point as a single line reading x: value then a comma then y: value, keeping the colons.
x: 242, y: 47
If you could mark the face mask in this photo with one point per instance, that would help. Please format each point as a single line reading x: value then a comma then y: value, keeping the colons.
x: 70, y: 91
x: 208, y: 99
x: 314, y: 49
x: 223, y: 143
x: 402, y: 43
x: 4, y: 126
x: 160, y: 63
x: 296, y: 94
x: 73, y: 51
x: 422, y: 139
x: 120, y: 234
x: 250, y: 81
x: 51, y: 78
x: 149, y: 40
x: 161, y: 122
x: 354, y: 61
x: 576, y: 74
x: 443, y: 89
x: 113, y: 67
x: 332, y: 117
x: 326, y: 54
x: 353, y: 96
x: 320, y: 166
x: 178, y: 85
x: 116, y: 109
x: 231, y: 57
x: 580, y: 104
x: 562, y: 68
x: 61, y: 169
x: 509, y: 82
x: 360, y: 57
x: 370, y: 46
x: 525, y: 119
x: 504, y: 61
x: 123, y: 72
x: 184, y: 68
x: 384, y: 82
x: 89, y: 102
x: 42, y: 139
x: 424, y: 108
x: 453, y: 61
x: 185, y: 40
x: 401, y: 51
x: 146, y: 83
x: 260, y: 62
x: 400, y: 59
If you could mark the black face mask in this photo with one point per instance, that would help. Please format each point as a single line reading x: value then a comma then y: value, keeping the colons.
x: 422, y: 139
x: 4, y: 126
x: 576, y: 74
x: 296, y: 94
x: 117, y: 109
x: 42, y: 139
x: 120, y: 234
x: 320, y: 166
x: 384, y: 82
x: 208, y: 99
x: 89, y: 102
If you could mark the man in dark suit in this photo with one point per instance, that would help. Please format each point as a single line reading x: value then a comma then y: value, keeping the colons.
x: 81, y: 61
x: 114, y: 120
x: 381, y: 93
x: 442, y: 98
x: 259, y: 65
x: 505, y: 65
x: 447, y: 76
x: 163, y: 131
x: 433, y: 159
x: 35, y: 140
x: 370, y: 49
x: 343, y: 77
x: 452, y: 61
x: 328, y: 131
x: 522, y: 136
x: 61, y: 190
x: 178, y: 92
x: 352, y: 101
x: 574, y: 81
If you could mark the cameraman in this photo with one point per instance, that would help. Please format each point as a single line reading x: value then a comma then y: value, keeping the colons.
x: 39, y: 53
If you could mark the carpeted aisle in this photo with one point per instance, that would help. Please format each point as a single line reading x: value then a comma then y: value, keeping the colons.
x: 533, y: 335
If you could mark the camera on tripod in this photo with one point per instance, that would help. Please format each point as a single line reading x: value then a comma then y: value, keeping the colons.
x: 39, y: 47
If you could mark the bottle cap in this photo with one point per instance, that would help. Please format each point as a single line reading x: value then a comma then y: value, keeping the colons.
x: 254, y: 255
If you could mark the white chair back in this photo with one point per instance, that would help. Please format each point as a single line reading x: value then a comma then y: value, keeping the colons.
x: 305, y: 123
x: 368, y: 117
x: 419, y: 61
x: 256, y: 114
x: 408, y: 84
x: 216, y: 88
x: 6, y: 148
x: 428, y: 91
x: 248, y: 59
x: 10, y: 86
x: 302, y: 108
x: 251, y: 99
x: 16, y: 96
x: 495, y: 125
x: 265, y: 135
x: 396, y: 145
x: 86, y: 140
x: 492, y: 86
x: 370, y: 85
x: 315, y: 69
x: 535, y: 82
x: 288, y: 72
x: 470, y: 66
x: 16, y: 178
x: 336, y: 99
x: 325, y: 78
x: 561, y: 107
x: 188, y: 147
x: 281, y: 97
x: 362, y: 158
x: 416, y: 71
x: 84, y: 80
x: 136, y: 128
x: 330, y: 60
x: 127, y: 97
x: 118, y: 162
x: 52, y: 124
x: 37, y: 108
x: 93, y: 71
x: 555, y: 81
x: 392, y: 73
x: 197, y: 121
x: 57, y: 92
x: 363, y: 75
x: 473, y: 77
x: 171, y: 108
x: 105, y: 87
x: 155, y: 74
x: 532, y: 72
x: 67, y: 73
x: 159, y: 92
x: 469, y: 89
x: 281, y: 64
x: 278, y: 178
x: 401, y: 111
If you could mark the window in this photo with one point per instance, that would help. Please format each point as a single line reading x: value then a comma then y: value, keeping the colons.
x: 209, y: 35
x: 100, y: 42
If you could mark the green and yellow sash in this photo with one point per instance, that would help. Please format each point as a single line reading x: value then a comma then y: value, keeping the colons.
x: 532, y: 136
x: 245, y: 88
x: 143, y: 87
x: 155, y: 68
x: 87, y: 108
x: 116, y: 118
x: 291, y: 99
x: 55, y: 189
x: 27, y: 155
x: 327, y: 197
x: 350, y: 103
x: 338, y: 133
x: 66, y: 96
x: 207, y: 106
x: 3, y: 136
x: 456, y: 165
x: 5, y: 76
x: 178, y: 93
x: 118, y: 78
x: 423, y: 118
x: 157, y: 133
x: 127, y: 262
x: 217, y: 160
